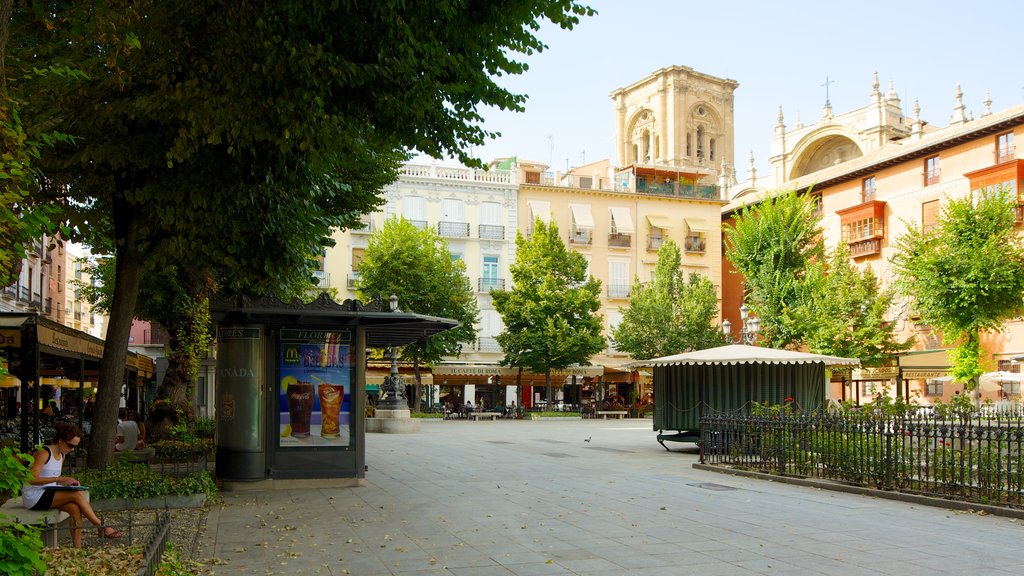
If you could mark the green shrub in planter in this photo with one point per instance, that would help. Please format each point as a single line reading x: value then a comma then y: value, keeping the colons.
x: 205, y: 427
x: 183, y: 450
x: 125, y: 480
x: 196, y: 483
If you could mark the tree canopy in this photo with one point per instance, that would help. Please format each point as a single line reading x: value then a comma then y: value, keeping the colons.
x: 841, y: 311
x: 551, y: 312
x: 964, y: 275
x: 237, y: 135
x: 417, y: 266
x: 771, y: 244
x: 670, y: 314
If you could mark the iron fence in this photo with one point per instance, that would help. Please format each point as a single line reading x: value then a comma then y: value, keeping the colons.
x: 153, y: 550
x: 972, y: 458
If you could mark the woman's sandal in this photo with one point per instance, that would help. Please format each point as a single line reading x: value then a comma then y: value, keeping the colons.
x: 110, y: 533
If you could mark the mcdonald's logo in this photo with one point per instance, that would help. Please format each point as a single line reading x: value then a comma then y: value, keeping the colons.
x: 291, y: 355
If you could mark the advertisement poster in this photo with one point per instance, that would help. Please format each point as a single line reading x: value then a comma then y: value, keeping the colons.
x: 315, y: 371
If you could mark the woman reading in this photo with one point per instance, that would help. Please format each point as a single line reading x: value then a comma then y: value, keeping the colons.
x: 48, y: 490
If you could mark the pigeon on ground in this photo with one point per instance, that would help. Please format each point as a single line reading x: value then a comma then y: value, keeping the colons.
x: 587, y: 439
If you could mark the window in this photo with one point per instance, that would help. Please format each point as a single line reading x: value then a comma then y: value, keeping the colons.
x: 867, y: 189
x: 929, y: 215
x: 414, y: 209
x: 456, y: 257
x: 1004, y: 147
x: 933, y: 387
x: 695, y: 242
x: 859, y: 230
x: 452, y: 210
x: 711, y: 149
x: 700, y: 143
x: 689, y: 145
x: 618, y: 282
x: 489, y: 274
x: 614, y: 319
x: 533, y: 177
x: 931, y: 171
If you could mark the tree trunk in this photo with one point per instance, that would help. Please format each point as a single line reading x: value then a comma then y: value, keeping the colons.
x: 547, y: 383
x: 127, y: 274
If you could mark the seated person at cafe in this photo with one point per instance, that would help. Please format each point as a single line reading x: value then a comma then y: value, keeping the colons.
x: 128, y: 437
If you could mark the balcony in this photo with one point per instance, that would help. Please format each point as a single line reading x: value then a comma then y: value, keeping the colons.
x: 866, y: 247
x: 322, y: 279
x: 679, y: 189
x: 10, y: 292
x: 491, y: 232
x: 488, y: 344
x: 695, y: 245
x: 654, y: 243
x: 486, y: 284
x: 618, y: 290
x: 1005, y: 154
x: 619, y: 240
x: 367, y: 226
x: 421, y: 224
x: 351, y: 281
x: 23, y: 294
x: 453, y: 229
x: 581, y: 237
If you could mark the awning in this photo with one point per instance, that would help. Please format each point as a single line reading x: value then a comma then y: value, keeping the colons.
x: 581, y: 216
x: 623, y: 220
x: 539, y: 209
x: 659, y: 221
x: 741, y: 354
x: 697, y: 224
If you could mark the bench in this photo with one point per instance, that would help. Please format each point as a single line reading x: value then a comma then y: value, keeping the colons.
x: 488, y: 415
x: 604, y: 414
x: 680, y: 436
x: 14, y: 512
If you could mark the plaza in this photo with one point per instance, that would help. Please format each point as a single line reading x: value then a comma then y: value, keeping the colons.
x: 586, y: 497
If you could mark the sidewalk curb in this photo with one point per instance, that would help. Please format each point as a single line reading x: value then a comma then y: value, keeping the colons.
x: 864, y: 491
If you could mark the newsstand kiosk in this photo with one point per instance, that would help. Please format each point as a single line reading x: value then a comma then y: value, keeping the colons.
x: 291, y: 381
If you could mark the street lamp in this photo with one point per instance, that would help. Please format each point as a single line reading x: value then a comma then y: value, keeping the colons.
x: 393, y: 388
x: 749, y: 327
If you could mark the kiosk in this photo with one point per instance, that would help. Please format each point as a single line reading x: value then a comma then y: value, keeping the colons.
x: 291, y: 383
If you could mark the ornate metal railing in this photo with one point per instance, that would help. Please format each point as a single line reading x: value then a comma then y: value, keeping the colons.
x: 491, y: 232
x: 973, y: 458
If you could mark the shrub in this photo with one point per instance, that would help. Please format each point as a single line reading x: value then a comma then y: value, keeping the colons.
x: 196, y: 483
x: 20, y: 548
x: 133, y: 481
x: 183, y: 450
x: 14, y: 472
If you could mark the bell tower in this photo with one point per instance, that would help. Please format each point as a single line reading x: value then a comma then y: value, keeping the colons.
x: 676, y: 118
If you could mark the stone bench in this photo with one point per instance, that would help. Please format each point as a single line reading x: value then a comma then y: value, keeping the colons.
x: 14, y: 512
x: 604, y: 414
x: 488, y: 415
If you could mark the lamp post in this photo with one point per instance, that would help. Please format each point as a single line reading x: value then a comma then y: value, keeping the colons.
x: 749, y: 327
x: 393, y: 387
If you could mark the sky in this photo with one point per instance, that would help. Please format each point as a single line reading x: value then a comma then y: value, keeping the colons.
x: 780, y: 53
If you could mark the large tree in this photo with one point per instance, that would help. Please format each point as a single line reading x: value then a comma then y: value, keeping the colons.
x: 771, y: 244
x: 417, y: 266
x: 670, y: 314
x: 965, y: 275
x: 238, y: 134
x: 551, y: 311
x: 842, y: 310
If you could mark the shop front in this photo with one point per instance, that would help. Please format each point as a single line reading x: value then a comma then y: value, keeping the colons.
x: 54, y: 370
x: 925, y: 375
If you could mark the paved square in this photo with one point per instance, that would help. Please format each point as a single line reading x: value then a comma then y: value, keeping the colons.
x: 532, y: 498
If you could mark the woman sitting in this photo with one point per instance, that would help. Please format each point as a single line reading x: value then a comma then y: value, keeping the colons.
x: 48, y: 490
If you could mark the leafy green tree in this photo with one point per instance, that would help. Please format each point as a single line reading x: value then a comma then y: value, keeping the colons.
x: 238, y: 135
x: 771, y: 244
x: 669, y: 315
x: 841, y: 311
x: 964, y: 275
x: 417, y: 266
x: 551, y: 312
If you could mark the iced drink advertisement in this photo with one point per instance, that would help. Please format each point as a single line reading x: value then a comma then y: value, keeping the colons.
x: 315, y: 370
